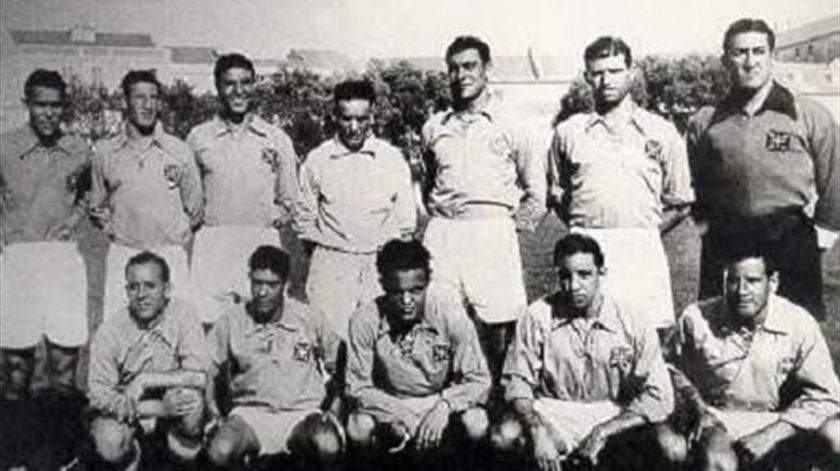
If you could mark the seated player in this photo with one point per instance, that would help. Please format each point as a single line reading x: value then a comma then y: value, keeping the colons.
x: 586, y: 382
x: 273, y: 354
x: 415, y: 366
x: 148, y: 367
x: 769, y: 394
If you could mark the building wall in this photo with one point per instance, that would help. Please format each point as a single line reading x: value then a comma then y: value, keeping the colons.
x: 823, y: 49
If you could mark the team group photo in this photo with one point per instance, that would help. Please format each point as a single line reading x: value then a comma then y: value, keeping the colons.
x: 402, y: 269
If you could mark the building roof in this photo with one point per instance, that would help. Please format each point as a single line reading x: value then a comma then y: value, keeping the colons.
x: 809, y: 31
x: 65, y: 38
x: 192, y: 55
x: 505, y: 68
x: 321, y: 59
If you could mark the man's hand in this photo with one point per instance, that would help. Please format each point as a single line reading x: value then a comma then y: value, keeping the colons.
x: 591, y: 446
x: 135, y: 390
x: 63, y: 232
x: 180, y: 402
x: 758, y: 445
x: 545, y: 452
x: 432, y: 426
x: 125, y: 409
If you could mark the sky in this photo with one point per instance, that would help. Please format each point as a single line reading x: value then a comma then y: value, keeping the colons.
x: 402, y: 28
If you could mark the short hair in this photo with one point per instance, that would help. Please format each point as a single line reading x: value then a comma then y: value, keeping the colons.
x: 747, y: 246
x: 749, y: 25
x: 232, y: 61
x: 462, y: 43
x: 608, y: 46
x: 44, y: 78
x: 578, y: 243
x: 139, y: 76
x: 269, y: 257
x: 144, y: 258
x: 399, y: 254
x: 354, y: 90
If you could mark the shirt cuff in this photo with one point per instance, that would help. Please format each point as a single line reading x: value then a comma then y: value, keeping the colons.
x: 802, y: 419
x: 518, y: 389
x: 826, y: 238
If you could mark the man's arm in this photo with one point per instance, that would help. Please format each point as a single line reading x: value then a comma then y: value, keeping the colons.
x: 192, y: 194
x: 471, y: 378
x: 99, y: 194
x: 104, y: 390
x: 824, y: 143
x: 286, y: 189
x: 405, y: 208
x: 306, y: 214
x: 677, y: 191
x: 531, y: 174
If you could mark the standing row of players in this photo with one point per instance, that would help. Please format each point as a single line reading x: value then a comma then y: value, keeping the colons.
x: 762, y: 163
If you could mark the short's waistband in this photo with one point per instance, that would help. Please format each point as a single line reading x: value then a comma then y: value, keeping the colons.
x: 473, y: 211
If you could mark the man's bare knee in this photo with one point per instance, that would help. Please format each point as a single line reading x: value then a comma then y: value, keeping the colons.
x: 112, y: 440
x: 673, y: 447
x: 829, y: 434
x: 323, y: 437
x: 714, y: 451
x: 228, y: 444
x: 476, y: 423
x: 360, y: 429
x: 17, y: 367
x: 508, y: 435
x: 62, y: 365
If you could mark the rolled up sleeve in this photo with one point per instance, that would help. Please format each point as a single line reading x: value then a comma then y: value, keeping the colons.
x: 817, y: 382
x: 531, y: 173
x: 103, y: 374
x: 306, y: 214
x: 523, y: 364
x: 471, y: 380
x: 655, y: 398
x: 677, y: 189
x: 286, y: 188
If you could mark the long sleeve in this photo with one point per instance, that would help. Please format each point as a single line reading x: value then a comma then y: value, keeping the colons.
x: 286, y: 188
x: 521, y: 372
x: 103, y: 375
x: 816, y: 382
x: 558, y: 181
x: 99, y: 194
x: 405, y: 208
x: 193, y: 352
x: 190, y: 187
x: 384, y: 407
x: 824, y: 141
x: 650, y: 379
x: 471, y: 378
x: 531, y: 174
x: 306, y: 214
x: 676, y: 175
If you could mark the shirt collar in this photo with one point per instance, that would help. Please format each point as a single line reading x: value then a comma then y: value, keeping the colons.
x: 627, y: 112
x: 163, y: 329
x: 778, y: 99
x: 488, y: 108
x: 29, y: 142
x: 386, y: 328
x: 607, y: 315
x: 288, y: 321
x: 339, y: 150
x: 774, y: 321
x: 158, y: 135
x: 252, y: 122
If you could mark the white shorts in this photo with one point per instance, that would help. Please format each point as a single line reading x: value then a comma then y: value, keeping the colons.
x: 118, y: 255
x: 742, y: 423
x: 43, y: 292
x: 272, y: 429
x: 339, y: 283
x: 479, y: 258
x: 637, y: 270
x: 220, y: 265
x: 571, y: 422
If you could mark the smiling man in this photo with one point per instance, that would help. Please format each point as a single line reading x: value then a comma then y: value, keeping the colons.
x: 146, y: 190
x: 765, y: 163
x: 763, y: 370
x: 620, y: 174
x: 356, y: 195
x: 415, y: 366
x: 249, y: 171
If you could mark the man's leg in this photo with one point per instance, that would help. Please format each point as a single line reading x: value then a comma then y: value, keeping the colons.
x: 17, y: 367
x: 184, y: 437
x: 317, y: 442
x: 797, y: 255
x: 114, y: 444
x: 714, y: 451
x: 17, y: 412
x: 232, y: 442
x: 333, y: 286
x: 828, y: 438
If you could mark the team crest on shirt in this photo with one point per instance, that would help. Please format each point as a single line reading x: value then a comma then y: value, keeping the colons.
x: 271, y: 157
x: 441, y: 353
x: 302, y: 351
x: 499, y: 145
x: 785, y: 366
x: 653, y: 148
x: 172, y: 173
x: 778, y: 141
x: 621, y: 358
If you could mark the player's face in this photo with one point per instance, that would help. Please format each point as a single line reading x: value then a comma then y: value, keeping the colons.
x: 610, y: 79
x: 355, y: 118
x: 748, y: 60
x: 467, y: 75
x: 266, y: 291
x: 580, y: 280
x: 143, y: 102
x: 147, y: 292
x: 748, y: 287
x: 236, y: 90
x: 45, y: 107
x: 405, y: 291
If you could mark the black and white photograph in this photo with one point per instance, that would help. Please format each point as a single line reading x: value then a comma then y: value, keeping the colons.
x: 460, y: 235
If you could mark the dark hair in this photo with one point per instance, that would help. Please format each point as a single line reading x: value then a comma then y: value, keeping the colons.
x: 462, y: 43
x: 44, y: 78
x: 578, y: 243
x: 749, y: 25
x: 399, y: 254
x: 354, y: 90
x: 232, y: 61
x: 138, y: 76
x: 746, y: 246
x: 150, y: 257
x: 269, y: 257
x: 608, y: 46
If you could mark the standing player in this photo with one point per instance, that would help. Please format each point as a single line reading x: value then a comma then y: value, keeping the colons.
x: 759, y: 159
x: 486, y: 181
x: 249, y: 170
x: 356, y: 195
x: 620, y: 174
x: 146, y: 190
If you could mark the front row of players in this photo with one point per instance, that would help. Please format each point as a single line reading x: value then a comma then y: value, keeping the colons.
x: 585, y: 383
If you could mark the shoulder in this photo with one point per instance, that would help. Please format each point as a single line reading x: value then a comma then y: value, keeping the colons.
x: 792, y: 318
x: 703, y: 315
x: 365, y: 318
x: 108, y: 146
x: 109, y: 334
x: 204, y: 132
x: 654, y: 123
x: 15, y: 142
x: 76, y: 147
x: 701, y: 120
x: 539, y: 312
x: 814, y: 113
x: 173, y: 144
x: 571, y: 125
x: 183, y: 312
x: 318, y: 155
x: 435, y: 122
